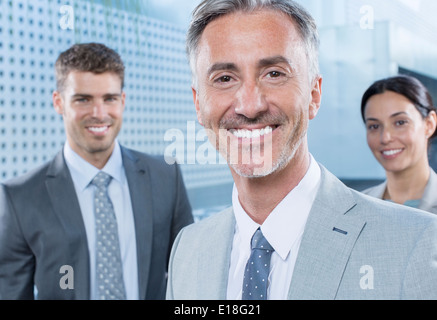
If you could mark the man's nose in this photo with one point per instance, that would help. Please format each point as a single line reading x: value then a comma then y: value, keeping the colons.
x: 251, y: 101
x: 99, y: 110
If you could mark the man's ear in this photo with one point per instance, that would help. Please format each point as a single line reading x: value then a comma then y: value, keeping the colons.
x: 58, y: 102
x: 316, y: 97
x: 196, y: 103
x: 123, y: 100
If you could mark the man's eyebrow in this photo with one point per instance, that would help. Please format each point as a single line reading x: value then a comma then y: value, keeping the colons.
x: 266, y: 62
x: 222, y: 66
x: 229, y: 66
x: 112, y: 95
x: 84, y: 95
x: 81, y: 95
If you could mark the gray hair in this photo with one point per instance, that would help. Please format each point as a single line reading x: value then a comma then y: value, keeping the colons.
x: 209, y: 10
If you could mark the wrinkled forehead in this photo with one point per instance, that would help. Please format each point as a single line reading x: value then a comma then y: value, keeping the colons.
x: 263, y: 20
x: 250, y: 37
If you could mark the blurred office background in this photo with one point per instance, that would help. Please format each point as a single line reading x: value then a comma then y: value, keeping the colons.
x: 361, y: 41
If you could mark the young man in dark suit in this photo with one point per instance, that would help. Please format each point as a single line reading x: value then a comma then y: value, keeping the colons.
x: 69, y: 235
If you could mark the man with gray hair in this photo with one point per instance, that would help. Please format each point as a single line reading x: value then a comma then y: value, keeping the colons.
x: 294, y: 231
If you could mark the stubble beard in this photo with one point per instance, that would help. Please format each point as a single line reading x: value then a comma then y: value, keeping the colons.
x: 286, y: 155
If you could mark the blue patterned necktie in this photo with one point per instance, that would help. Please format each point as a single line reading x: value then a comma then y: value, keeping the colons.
x: 109, y: 269
x: 257, y: 269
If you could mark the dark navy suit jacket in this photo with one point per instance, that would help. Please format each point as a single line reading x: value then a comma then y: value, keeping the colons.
x: 41, y: 228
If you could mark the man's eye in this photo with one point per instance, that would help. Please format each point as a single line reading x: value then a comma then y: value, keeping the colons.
x: 224, y: 79
x: 275, y: 74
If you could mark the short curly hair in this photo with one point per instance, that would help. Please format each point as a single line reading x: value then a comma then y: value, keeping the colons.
x: 88, y: 57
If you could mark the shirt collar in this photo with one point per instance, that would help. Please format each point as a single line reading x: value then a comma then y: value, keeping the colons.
x: 286, y: 222
x: 245, y: 225
x: 84, y: 172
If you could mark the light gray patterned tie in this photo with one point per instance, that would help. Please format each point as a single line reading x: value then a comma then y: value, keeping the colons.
x: 257, y: 269
x: 109, y: 269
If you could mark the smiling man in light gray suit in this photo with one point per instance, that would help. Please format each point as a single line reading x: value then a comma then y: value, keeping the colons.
x: 256, y: 86
x: 61, y: 233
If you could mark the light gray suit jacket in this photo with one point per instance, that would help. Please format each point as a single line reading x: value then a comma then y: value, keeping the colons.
x: 353, y: 247
x: 41, y: 228
x: 429, y: 198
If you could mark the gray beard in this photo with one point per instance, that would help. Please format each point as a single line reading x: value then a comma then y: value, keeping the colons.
x: 283, y: 160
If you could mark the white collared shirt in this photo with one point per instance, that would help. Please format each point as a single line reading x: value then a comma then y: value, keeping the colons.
x: 82, y: 174
x: 283, y: 229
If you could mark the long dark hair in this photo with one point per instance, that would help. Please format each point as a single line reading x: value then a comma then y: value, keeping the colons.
x: 410, y: 87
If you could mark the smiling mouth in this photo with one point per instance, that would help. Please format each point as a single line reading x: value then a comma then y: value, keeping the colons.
x: 389, y: 153
x: 98, y: 129
x: 252, y: 133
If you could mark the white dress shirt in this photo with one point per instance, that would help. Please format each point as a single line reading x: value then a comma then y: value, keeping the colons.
x: 283, y: 229
x: 82, y: 174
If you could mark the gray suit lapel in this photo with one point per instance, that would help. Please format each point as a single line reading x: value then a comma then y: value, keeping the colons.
x: 377, y: 191
x: 137, y: 173
x: 63, y: 198
x: 329, y: 237
x: 214, y: 264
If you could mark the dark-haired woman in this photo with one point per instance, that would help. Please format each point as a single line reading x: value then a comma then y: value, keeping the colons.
x: 401, y: 121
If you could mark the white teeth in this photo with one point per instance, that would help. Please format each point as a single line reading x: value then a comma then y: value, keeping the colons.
x: 98, y: 129
x: 391, y: 152
x: 252, y: 134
